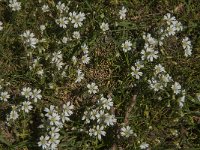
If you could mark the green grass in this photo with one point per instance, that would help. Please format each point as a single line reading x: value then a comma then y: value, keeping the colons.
x: 155, y: 118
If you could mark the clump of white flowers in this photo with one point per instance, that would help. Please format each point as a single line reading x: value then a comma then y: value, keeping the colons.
x: 99, y: 114
x: 14, y: 5
x: 186, y: 43
x: 29, y: 39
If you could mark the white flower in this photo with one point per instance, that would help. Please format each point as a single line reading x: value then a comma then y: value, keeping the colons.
x: 4, y: 96
x: 54, y: 119
x: 77, y: 19
x: 92, y: 88
x: 1, y: 28
x: 85, y: 59
x: 159, y: 69
x: 67, y: 109
x: 171, y: 30
x: 86, y: 117
x: 136, y: 73
x: 104, y: 27
x: 42, y: 27
x: 44, y: 142
x: 100, y: 115
x: 49, y: 111
x: 29, y: 39
x: 122, y: 13
x: 126, y: 131
x: 65, y: 40
x: 62, y: 7
x: 54, y: 141
x: 84, y: 48
x: 169, y: 18
x: 54, y: 131
x: 76, y: 35
x: 106, y: 103
x: 14, y: 5
x: 144, y: 145
x: 62, y: 22
x: 13, y: 115
x: 176, y: 88
x: 26, y: 106
x: 26, y: 91
x: 126, y: 46
x: 139, y: 65
x: 155, y: 85
x: 36, y: 95
x: 80, y: 76
x: 99, y: 131
x: 45, y: 8
x: 186, y: 43
x: 74, y: 59
x: 110, y: 120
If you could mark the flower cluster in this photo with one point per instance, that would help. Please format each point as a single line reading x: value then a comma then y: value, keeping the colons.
x: 29, y: 39
x: 186, y: 43
x: 99, y: 115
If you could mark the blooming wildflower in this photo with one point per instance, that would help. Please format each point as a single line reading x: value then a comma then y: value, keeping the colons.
x: 110, y: 119
x: 42, y: 27
x: 182, y: 99
x: 186, y: 43
x: 104, y: 27
x: 93, y: 114
x: 26, y: 91
x: 13, y: 115
x: 100, y: 115
x: 171, y: 30
x: 122, y: 13
x: 150, y: 41
x: 76, y: 35
x: 54, y: 141
x: 44, y: 142
x: 85, y: 59
x: 84, y: 48
x: 151, y: 54
x: 77, y: 19
x: 126, y: 131
x: 67, y: 109
x: 80, y: 76
x: 159, y: 69
x: 4, y: 96
x: 57, y: 56
x: 45, y: 8
x: 91, y: 132
x: 155, y: 85
x: 74, y: 59
x: 176, y: 88
x: 26, y: 106
x: 62, y: 7
x: 14, y: 5
x: 49, y: 111
x: 86, y: 117
x: 106, y: 103
x: 54, y: 131
x: 135, y: 72
x: 36, y: 95
x: 169, y: 18
x: 62, y: 22
x: 92, y: 88
x: 144, y: 145
x: 126, y: 46
x: 139, y: 65
x: 99, y: 131
x: 65, y: 40
x: 29, y: 38
x: 1, y: 28
x: 54, y: 119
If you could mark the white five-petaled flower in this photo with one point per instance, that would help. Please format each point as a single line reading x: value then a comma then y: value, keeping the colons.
x: 62, y: 22
x: 26, y: 106
x: 13, y: 115
x: 77, y: 19
x: 159, y: 69
x: 26, y: 91
x: 84, y: 48
x: 80, y: 76
x: 176, y: 87
x: 4, y: 96
x: 126, y: 131
x: 29, y: 38
x: 45, y: 8
x: 126, y: 46
x: 67, y: 111
x: 99, y: 131
x: 104, y: 27
x: 44, y: 142
x: 186, y: 43
x: 1, y: 28
x: 14, y: 5
x: 92, y: 88
x: 36, y: 95
x: 136, y: 73
x: 85, y: 59
x: 122, y: 13
x: 144, y: 145
x: 76, y: 35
